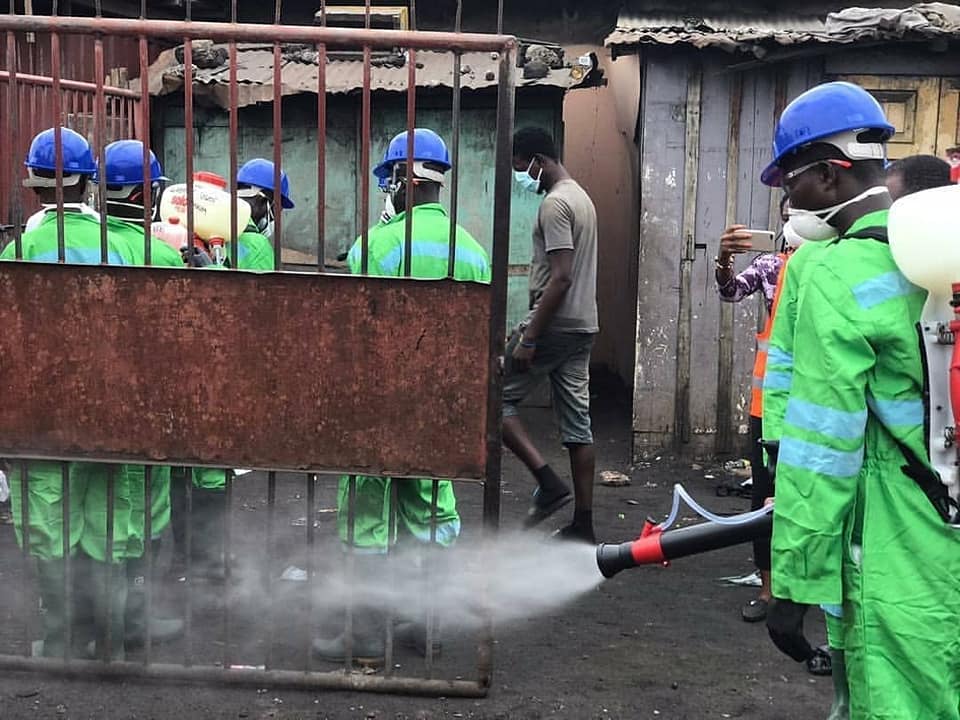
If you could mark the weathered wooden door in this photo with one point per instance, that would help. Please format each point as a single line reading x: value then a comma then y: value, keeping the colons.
x: 924, y: 110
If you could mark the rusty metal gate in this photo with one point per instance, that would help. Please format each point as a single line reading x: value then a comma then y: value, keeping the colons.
x: 296, y: 376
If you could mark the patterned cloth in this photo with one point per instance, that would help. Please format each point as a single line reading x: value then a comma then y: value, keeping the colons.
x: 761, y: 274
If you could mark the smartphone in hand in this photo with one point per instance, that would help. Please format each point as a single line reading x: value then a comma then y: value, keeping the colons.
x: 762, y: 241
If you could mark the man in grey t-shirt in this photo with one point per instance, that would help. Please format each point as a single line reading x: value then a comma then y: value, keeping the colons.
x: 555, y: 339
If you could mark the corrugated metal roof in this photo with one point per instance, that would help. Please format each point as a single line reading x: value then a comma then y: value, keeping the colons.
x: 756, y: 33
x: 299, y: 74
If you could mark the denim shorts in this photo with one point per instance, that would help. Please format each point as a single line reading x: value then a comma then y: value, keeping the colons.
x: 564, y: 358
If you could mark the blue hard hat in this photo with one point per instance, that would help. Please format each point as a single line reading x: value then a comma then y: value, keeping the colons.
x: 427, y: 146
x: 123, y: 160
x: 77, y: 155
x: 259, y: 172
x: 820, y: 113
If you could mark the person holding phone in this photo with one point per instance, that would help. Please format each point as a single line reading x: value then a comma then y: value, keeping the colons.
x: 761, y: 275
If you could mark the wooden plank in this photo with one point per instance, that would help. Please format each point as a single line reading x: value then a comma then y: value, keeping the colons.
x: 724, y: 396
x: 685, y: 316
x: 948, y: 131
x: 663, y: 135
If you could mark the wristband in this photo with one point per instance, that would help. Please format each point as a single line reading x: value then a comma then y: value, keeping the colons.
x: 723, y: 266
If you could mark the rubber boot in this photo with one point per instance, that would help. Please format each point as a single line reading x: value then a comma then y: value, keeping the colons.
x: 108, y: 602
x: 178, y: 522
x: 50, y: 586
x: 369, y: 621
x: 135, y: 620
x: 411, y: 629
x: 840, y: 710
x: 208, y: 516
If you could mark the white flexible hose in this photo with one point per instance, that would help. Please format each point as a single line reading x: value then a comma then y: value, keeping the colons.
x: 680, y: 493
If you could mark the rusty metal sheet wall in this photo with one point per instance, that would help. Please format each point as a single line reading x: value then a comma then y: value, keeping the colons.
x: 244, y: 369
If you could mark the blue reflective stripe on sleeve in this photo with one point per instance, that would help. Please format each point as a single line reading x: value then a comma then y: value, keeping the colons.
x: 775, y: 380
x: 437, y: 251
x: 820, y: 459
x: 882, y: 288
x: 897, y: 412
x: 776, y: 356
x: 79, y: 256
x: 829, y: 421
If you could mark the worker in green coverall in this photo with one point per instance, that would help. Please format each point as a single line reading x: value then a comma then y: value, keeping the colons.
x: 858, y: 519
x: 429, y: 259
x: 123, y: 175
x: 87, y: 481
x: 255, y: 251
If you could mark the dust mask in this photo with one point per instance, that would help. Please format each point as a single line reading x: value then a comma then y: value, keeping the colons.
x: 526, y: 180
x: 790, y: 236
x: 265, y: 225
x: 814, y: 225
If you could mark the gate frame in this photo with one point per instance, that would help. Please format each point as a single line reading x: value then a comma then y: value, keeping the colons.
x: 186, y: 31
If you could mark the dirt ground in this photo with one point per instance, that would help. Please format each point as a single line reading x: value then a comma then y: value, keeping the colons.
x: 664, y: 643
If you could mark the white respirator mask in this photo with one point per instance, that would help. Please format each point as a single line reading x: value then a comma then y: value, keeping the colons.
x: 814, y: 225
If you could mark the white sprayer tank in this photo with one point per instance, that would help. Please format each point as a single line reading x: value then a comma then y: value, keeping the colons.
x: 211, y: 207
x: 925, y: 238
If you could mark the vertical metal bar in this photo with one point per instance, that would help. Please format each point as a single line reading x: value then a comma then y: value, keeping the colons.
x: 188, y: 126
x: 277, y: 149
x: 188, y: 550
x: 234, y: 135
x: 271, y: 518
x: 99, y: 135
x: 227, y: 570
x: 67, y: 569
x: 148, y: 553
x: 13, y: 140
x: 428, y: 573
x: 365, y: 154
x: 57, y: 140
x: 725, y: 343
x: 685, y: 314
x: 311, y: 561
x: 455, y: 154
x: 351, y: 572
x: 144, y: 56
x: 25, y: 539
x: 391, y: 573
x: 108, y: 555
x: 500, y: 17
x: 322, y: 146
x: 411, y: 124
x: 498, y: 304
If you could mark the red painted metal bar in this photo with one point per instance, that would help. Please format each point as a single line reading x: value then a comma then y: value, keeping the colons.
x: 455, y: 151
x: 148, y: 553
x: 99, y: 134
x: 269, y: 628
x: 277, y: 149
x: 28, y: 608
x: 188, y: 132
x: 411, y: 125
x: 322, y: 146
x: 234, y: 133
x: 143, y: 51
x: 74, y: 85
x: 365, y: 155
x: 57, y: 140
x: 351, y: 572
x: 11, y: 138
x: 250, y: 32
x: 311, y: 562
x: 106, y: 651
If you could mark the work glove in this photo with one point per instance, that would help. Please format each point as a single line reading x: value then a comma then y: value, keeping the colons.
x: 785, y: 626
x: 198, y: 259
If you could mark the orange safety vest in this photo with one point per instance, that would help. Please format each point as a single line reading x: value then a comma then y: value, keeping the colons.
x: 763, y: 346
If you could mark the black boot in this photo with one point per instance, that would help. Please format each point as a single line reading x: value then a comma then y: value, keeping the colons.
x: 50, y: 585
x: 206, y: 542
x: 369, y: 620
x: 135, y: 621
x: 109, y: 607
x: 178, y: 521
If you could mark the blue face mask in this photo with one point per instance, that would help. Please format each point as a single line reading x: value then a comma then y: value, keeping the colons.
x: 526, y: 180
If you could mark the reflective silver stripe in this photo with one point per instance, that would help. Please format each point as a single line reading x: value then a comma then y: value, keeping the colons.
x: 758, y: 382
x: 763, y: 345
